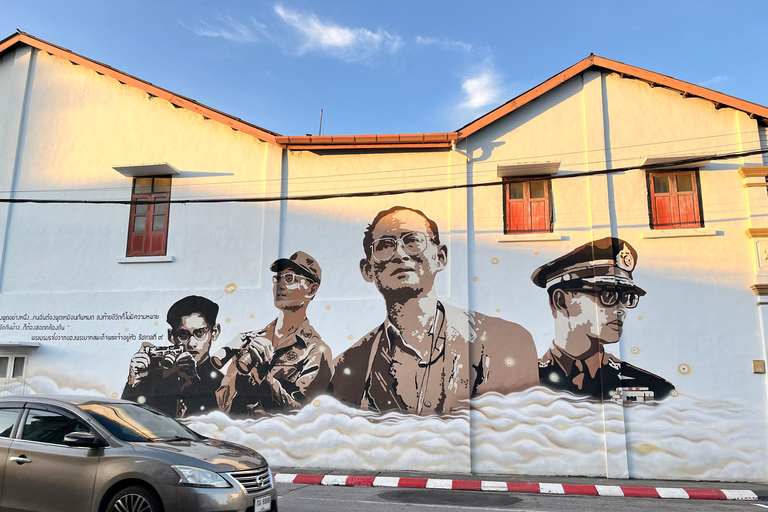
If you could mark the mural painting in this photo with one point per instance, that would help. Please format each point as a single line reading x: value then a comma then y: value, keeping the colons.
x: 285, y: 364
x: 590, y: 292
x: 179, y: 379
x: 434, y: 386
x: 427, y: 357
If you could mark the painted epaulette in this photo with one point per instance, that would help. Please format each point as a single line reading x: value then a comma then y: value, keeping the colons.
x: 546, y: 360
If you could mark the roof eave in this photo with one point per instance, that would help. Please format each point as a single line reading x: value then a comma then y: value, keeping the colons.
x: 124, y: 78
x: 383, y: 141
x: 719, y: 99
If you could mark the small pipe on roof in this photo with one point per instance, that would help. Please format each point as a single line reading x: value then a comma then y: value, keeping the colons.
x: 453, y: 148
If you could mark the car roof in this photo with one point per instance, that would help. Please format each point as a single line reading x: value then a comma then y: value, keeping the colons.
x: 63, y: 399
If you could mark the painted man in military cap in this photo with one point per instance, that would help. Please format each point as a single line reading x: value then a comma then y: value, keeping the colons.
x: 284, y: 365
x: 426, y: 357
x: 590, y: 291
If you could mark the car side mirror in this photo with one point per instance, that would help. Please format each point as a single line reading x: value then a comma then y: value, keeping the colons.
x: 82, y: 439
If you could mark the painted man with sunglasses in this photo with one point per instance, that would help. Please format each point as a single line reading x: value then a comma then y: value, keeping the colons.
x: 179, y: 379
x: 426, y: 357
x: 590, y: 292
x: 286, y: 364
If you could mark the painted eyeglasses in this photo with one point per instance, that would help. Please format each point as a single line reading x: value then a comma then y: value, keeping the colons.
x: 184, y: 336
x: 384, y: 248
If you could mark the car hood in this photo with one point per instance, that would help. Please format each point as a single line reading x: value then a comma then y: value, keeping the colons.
x: 216, y: 455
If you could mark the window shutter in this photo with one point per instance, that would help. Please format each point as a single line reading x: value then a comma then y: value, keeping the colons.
x: 137, y: 231
x: 674, y: 200
x: 148, y: 229
x: 528, y: 207
x: 157, y: 224
x: 516, y: 215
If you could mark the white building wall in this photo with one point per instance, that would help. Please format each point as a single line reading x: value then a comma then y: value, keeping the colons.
x: 698, y: 326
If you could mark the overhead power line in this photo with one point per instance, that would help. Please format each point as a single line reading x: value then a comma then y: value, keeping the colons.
x: 484, y: 167
x: 376, y: 193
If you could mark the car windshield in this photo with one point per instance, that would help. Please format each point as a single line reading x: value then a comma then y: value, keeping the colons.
x: 138, y: 423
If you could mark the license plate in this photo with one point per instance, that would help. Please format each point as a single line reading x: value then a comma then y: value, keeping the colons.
x: 262, y: 504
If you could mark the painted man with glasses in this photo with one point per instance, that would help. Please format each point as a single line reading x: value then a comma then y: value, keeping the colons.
x: 590, y: 292
x: 286, y: 364
x: 179, y: 379
x: 427, y: 357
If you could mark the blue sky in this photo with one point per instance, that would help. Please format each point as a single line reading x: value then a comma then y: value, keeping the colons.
x: 395, y: 66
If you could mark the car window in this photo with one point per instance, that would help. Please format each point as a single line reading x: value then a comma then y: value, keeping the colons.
x: 50, y: 427
x: 7, y: 420
x: 137, y: 423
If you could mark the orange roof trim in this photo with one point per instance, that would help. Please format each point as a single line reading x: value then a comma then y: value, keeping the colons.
x: 403, y: 140
x: 626, y: 71
x: 395, y: 140
x: 177, y: 100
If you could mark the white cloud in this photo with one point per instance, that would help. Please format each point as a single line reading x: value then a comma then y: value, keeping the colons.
x: 350, y: 44
x: 226, y: 27
x: 481, y: 90
x: 715, y: 80
x: 445, y: 44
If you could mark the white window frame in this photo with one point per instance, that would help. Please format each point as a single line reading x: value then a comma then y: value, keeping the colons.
x: 8, y: 379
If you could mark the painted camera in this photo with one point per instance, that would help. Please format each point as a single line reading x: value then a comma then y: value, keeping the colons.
x: 164, y: 357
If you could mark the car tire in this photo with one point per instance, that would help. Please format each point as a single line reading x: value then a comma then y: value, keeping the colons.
x: 134, y: 499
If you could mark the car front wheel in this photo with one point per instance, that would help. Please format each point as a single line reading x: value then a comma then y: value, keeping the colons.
x: 133, y: 499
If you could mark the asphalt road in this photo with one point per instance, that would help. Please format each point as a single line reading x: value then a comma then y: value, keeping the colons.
x: 317, y: 498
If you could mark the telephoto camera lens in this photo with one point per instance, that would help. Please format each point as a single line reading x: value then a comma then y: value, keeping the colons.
x: 169, y: 360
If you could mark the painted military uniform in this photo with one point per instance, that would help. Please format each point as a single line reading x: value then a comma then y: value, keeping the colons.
x: 601, y: 269
x: 299, y: 370
x: 471, y: 353
x: 560, y: 372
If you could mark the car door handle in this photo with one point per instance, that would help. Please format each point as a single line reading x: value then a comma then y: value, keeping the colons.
x: 21, y: 460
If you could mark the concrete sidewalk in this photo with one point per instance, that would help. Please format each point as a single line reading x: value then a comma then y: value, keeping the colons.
x: 577, y: 485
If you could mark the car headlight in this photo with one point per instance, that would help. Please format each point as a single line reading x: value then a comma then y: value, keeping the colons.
x: 197, y: 477
x: 271, y: 479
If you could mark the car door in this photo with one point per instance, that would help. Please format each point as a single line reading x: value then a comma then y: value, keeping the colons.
x: 9, y: 416
x: 42, y: 474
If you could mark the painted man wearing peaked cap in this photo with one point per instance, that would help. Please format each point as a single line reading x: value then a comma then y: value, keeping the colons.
x: 284, y: 365
x: 590, y: 291
x: 426, y: 357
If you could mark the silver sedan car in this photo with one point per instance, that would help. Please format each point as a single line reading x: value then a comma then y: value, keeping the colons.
x: 85, y: 454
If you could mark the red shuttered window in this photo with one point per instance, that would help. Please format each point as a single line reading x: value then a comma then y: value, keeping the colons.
x: 527, y: 207
x: 148, y: 228
x: 674, y: 200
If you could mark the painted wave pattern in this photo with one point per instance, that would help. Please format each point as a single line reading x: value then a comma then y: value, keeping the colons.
x: 326, y: 433
x: 533, y: 432
x: 41, y: 384
x: 542, y: 432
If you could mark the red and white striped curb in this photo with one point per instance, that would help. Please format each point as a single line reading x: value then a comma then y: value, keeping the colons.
x: 542, y: 488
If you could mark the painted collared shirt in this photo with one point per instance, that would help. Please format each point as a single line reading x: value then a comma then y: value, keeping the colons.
x: 299, y: 370
x: 561, y: 372
x: 469, y: 354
